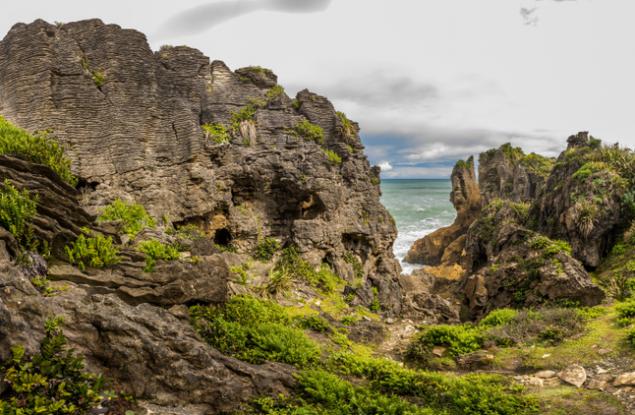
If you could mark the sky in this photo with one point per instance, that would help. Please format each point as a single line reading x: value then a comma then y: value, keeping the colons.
x: 429, y: 81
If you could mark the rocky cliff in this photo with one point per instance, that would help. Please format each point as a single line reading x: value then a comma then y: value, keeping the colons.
x: 197, y: 143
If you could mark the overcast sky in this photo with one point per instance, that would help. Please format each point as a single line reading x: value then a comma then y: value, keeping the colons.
x: 429, y: 81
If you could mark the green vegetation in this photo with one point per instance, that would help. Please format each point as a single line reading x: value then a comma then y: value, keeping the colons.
x: 458, y: 339
x: 274, y: 93
x: 99, y: 78
x: 315, y: 323
x: 132, y: 216
x: 375, y: 305
x: 309, y: 131
x: 97, y: 252
x: 590, y: 168
x: 217, y: 133
x: 537, y: 164
x: 254, y: 330
x: 156, y: 250
x: 17, y: 209
x: 626, y: 312
x: 347, y: 125
x: 37, y: 148
x: 52, y: 381
x: 246, y: 113
x: 292, y: 267
x: 499, y: 317
x: 332, y: 156
x: 266, y: 249
x: 630, y: 338
x: 549, y: 247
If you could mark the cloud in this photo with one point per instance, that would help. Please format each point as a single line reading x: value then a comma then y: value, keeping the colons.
x: 530, y: 14
x: 385, y: 166
x: 200, y: 18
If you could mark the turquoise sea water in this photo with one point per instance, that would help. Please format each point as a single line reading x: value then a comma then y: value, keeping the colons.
x: 419, y: 206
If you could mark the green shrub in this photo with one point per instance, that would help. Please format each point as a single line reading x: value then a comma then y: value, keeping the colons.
x: 347, y: 125
x: 255, y: 331
x: 133, y: 216
x: 37, y: 148
x: 156, y: 250
x: 216, y: 132
x: 375, y: 305
x: 332, y: 156
x: 309, y: 131
x: 99, y: 78
x: 590, y: 168
x: 17, y: 209
x: 274, y: 92
x: 97, y: 252
x: 266, y: 249
x: 241, y: 271
x: 292, y: 267
x: 549, y: 325
x: 53, y: 381
x: 626, y: 310
x: 499, y: 317
x: 473, y: 394
x: 246, y: 113
x: 458, y: 339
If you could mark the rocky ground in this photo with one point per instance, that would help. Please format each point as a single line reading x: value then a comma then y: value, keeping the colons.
x: 208, y: 244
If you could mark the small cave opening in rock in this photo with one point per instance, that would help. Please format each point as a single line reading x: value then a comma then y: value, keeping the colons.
x: 85, y: 185
x: 311, y: 207
x: 358, y: 244
x: 223, y: 237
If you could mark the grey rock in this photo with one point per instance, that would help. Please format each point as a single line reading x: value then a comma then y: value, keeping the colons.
x: 574, y: 375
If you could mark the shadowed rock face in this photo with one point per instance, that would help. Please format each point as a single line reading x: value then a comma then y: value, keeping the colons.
x: 446, y: 244
x: 131, y: 119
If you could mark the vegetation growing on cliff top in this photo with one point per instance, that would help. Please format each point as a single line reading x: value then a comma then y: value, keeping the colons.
x: 38, y: 148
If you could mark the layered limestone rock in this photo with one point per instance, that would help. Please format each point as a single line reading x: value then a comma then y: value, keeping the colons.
x: 508, y: 173
x: 132, y: 123
x: 585, y: 200
x: 445, y: 245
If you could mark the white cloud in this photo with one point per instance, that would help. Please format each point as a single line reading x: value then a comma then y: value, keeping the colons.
x: 385, y: 166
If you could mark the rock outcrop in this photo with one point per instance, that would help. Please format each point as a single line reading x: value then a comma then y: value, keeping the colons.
x: 445, y: 245
x: 133, y: 120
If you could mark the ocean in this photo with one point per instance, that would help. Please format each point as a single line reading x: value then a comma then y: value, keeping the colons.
x: 419, y: 207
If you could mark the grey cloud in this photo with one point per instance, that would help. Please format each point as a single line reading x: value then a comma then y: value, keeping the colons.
x: 203, y: 17
x: 530, y: 14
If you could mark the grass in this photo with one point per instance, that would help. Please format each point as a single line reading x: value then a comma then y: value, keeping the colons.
x: 266, y: 249
x: 274, y: 93
x: 246, y: 113
x: 217, y: 133
x: 96, y: 252
x: 566, y: 400
x: 347, y: 125
x: 332, y: 156
x: 17, y: 210
x: 309, y: 131
x: 292, y: 267
x: 37, y: 148
x: 255, y: 331
x: 132, y: 216
x: 155, y: 251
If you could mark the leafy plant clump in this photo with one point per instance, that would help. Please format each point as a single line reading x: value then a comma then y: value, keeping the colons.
x: 246, y: 113
x: 217, y: 133
x: 266, y: 249
x: 53, y: 381
x: 17, y: 209
x: 255, y: 331
x: 156, y: 250
x: 458, y: 339
x: 274, y: 92
x: 97, y: 252
x: 347, y: 125
x: 132, y: 216
x: 332, y: 156
x: 37, y: 148
x: 292, y: 267
x: 307, y: 130
x: 549, y: 247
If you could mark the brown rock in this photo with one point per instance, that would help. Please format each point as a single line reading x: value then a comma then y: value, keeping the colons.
x: 625, y: 379
x: 574, y: 375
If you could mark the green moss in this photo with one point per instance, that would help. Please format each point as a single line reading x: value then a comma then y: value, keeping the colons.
x: 255, y: 331
x: 309, y: 131
x: 266, y: 249
x: 132, y: 216
x: 52, y: 381
x: 156, y: 250
x: 332, y: 156
x: 217, y: 133
x: 99, y: 78
x: 17, y: 210
x: 96, y: 252
x: 37, y: 148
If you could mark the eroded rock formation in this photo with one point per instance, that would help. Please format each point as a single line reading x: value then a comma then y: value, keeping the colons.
x: 131, y: 121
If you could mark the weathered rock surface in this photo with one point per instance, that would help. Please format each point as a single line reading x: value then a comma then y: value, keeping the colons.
x: 512, y: 266
x: 131, y: 122
x: 574, y: 375
x: 585, y: 208
x: 445, y: 245
x: 422, y: 300
x: 155, y: 354
x: 59, y: 215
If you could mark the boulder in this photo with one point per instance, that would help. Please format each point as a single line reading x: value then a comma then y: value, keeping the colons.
x: 625, y: 379
x: 574, y: 375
